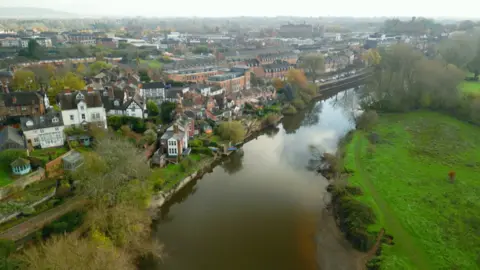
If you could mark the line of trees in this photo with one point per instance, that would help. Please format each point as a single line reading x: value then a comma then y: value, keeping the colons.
x: 404, y: 79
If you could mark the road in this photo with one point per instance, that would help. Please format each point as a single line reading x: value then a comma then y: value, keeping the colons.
x: 37, y: 222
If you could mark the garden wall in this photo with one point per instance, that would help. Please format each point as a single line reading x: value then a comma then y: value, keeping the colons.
x: 54, y: 167
x: 22, y: 182
x: 4, y: 219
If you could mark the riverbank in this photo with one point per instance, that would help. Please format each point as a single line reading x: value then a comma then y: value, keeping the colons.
x: 399, y: 179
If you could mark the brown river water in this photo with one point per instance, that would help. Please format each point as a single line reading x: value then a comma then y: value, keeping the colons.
x: 263, y: 208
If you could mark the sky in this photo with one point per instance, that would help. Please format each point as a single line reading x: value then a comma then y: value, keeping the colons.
x: 217, y: 8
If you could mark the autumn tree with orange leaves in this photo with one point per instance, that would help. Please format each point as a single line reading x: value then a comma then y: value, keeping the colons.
x: 297, y: 78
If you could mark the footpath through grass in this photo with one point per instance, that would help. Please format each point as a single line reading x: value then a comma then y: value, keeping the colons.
x: 435, y: 223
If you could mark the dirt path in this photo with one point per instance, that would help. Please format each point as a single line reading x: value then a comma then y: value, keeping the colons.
x: 407, y: 243
x: 362, y: 262
x: 37, y: 222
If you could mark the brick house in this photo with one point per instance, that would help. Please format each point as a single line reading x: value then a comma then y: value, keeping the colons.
x: 21, y: 104
x: 237, y: 79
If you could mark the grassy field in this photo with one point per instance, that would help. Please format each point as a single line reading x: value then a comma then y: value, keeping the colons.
x: 152, y: 63
x: 470, y: 87
x: 434, y: 222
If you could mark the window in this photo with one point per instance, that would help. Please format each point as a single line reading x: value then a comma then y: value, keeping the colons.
x: 24, y: 108
x: 83, y: 116
x: 35, y: 140
x: 72, y: 117
x: 82, y: 108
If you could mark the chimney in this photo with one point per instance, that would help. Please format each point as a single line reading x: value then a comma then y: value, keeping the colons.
x: 175, y: 128
x: 90, y: 89
x: 14, y: 100
x: 67, y: 91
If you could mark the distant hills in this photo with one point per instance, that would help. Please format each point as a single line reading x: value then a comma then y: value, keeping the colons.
x: 32, y: 13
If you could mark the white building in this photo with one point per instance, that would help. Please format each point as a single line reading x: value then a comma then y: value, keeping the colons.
x: 153, y: 90
x: 175, y: 140
x: 208, y: 91
x: 81, y: 108
x: 135, y: 108
x: 10, y: 42
x: 44, y: 131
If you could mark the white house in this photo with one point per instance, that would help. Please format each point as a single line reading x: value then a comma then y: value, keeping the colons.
x: 44, y: 131
x: 135, y: 108
x: 80, y: 108
x: 153, y: 90
x: 208, y: 91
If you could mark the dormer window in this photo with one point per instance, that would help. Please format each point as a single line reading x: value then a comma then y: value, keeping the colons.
x: 54, y: 120
x: 105, y: 93
x: 116, y: 103
x: 80, y: 96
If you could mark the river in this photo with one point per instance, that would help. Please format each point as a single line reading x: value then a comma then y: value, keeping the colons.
x: 263, y: 209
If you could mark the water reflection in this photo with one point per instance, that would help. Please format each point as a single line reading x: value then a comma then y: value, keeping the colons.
x: 261, y: 209
x: 233, y: 163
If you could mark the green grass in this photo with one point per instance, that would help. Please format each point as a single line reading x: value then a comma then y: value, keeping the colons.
x: 172, y: 174
x: 43, y: 154
x: 470, y: 87
x: 152, y: 63
x: 4, y: 178
x: 434, y: 223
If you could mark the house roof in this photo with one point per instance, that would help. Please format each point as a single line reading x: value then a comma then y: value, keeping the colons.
x: 51, y: 119
x: 279, y: 65
x: 10, y: 134
x: 20, y: 162
x: 21, y: 98
x: 6, y: 74
x: 69, y: 101
x: 112, y: 100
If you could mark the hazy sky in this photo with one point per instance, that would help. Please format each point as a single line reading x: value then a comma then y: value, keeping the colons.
x: 216, y: 8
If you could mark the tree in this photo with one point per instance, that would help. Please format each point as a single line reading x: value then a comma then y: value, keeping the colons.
x: 372, y: 57
x: 367, y: 120
x: 313, y: 64
x: 81, y: 69
x: 474, y: 65
x: 149, y: 136
x: 43, y: 73
x: 201, y: 49
x: 24, y: 80
x: 70, y: 253
x: 33, y: 51
x: 166, y: 111
x: 297, y: 78
x: 277, y: 83
x: 97, y: 66
x: 152, y: 108
x: 232, y: 131
x: 144, y: 76
x: 458, y: 51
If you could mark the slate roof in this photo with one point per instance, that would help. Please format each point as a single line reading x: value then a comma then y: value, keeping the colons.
x: 21, y: 99
x: 279, y: 65
x: 69, y: 101
x: 109, y: 98
x: 10, y: 134
x: 51, y: 119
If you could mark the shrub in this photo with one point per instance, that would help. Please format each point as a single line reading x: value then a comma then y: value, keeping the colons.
x: 202, y: 150
x: 298, y: 104
x: 195, y: 143
x: 289, y: 110
x: 367, y: 120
